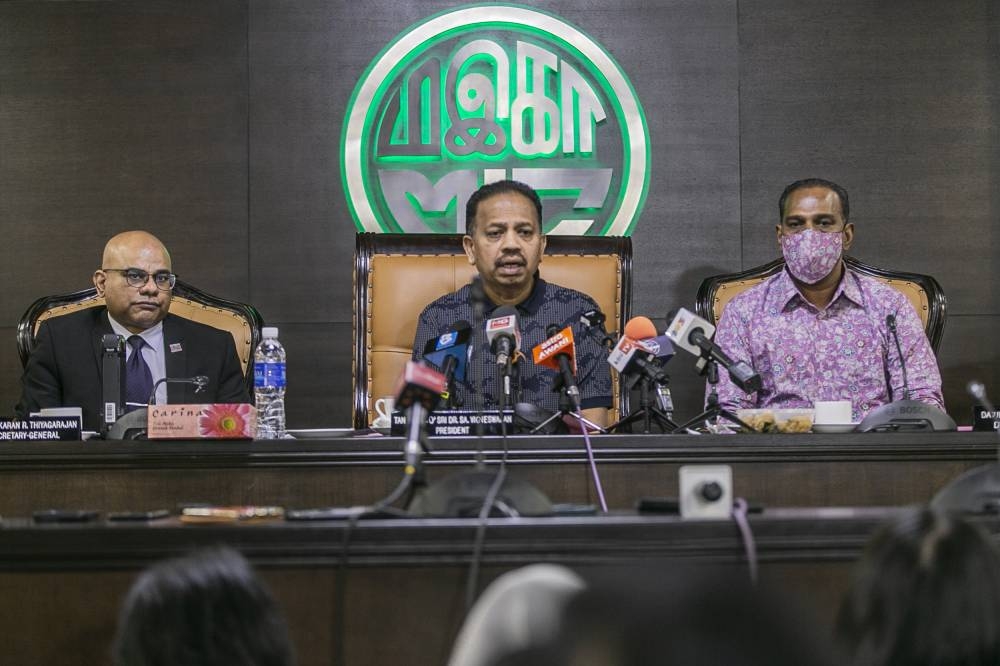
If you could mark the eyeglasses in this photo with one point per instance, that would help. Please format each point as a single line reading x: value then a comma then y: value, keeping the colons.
x: 136, y: 277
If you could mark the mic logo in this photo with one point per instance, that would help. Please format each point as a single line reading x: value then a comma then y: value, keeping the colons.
x: 446, y: 340
x: 652, y: 346
x: 498, y: 324
x: 553, y: 345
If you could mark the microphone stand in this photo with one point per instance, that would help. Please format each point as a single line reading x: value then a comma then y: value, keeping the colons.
x: 413, y: 452
x: 566, y: 407
x: 134, y: 424
x: 651, y: 377
x: 713, y: 410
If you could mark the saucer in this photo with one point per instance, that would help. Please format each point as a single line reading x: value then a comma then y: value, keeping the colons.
x: 829, y: 428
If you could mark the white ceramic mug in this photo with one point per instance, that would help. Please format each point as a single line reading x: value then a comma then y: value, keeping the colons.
x: 383, y: 407
x: 832, y: 412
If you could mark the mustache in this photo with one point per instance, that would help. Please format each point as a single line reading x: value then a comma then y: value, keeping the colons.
x: 510, y: 258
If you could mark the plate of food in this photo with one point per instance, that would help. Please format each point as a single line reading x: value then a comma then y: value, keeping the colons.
x: 777, y: 420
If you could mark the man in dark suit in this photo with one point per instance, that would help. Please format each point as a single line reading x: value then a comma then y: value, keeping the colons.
x: 135, y: 280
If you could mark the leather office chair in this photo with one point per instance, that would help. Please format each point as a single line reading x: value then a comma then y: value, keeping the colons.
x: 397, y: 275
x: 242, y: 321
x: 923, y: 292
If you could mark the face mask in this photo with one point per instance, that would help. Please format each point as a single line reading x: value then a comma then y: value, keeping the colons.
x: 812, y: 255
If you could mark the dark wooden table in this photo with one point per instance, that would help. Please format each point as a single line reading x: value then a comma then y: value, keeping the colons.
x: 403, y: 581
x: 771, y: 470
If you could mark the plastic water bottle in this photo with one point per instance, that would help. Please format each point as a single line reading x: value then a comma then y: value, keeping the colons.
x: 269, y: 385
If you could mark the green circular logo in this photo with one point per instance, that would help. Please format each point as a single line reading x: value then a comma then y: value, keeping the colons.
x: 482, y: 93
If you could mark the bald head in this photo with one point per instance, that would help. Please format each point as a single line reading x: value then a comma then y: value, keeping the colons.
x: 137, y: 308
x: 130, y: 244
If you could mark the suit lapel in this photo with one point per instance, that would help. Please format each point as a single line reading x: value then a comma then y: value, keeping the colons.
x: 175, y: 358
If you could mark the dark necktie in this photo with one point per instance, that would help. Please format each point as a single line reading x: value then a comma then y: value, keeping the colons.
x: 138, y: 378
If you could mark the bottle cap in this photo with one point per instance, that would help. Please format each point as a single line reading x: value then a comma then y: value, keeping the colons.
x: 270, y: 331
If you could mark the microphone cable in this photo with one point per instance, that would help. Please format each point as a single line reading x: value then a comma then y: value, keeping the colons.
x: 739, y: 514
x: 472, y: 582
x: 342, y: 570
x: 593, y: 463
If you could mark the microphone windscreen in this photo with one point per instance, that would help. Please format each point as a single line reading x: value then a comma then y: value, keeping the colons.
x: 640, y: 328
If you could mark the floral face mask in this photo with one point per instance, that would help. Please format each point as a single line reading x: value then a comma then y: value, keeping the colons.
x: 812, y: 255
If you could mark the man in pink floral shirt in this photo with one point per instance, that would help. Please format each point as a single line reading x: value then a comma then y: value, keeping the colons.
x: 819, y: 331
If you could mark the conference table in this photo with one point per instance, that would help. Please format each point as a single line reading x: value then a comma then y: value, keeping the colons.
x: 396, y: 593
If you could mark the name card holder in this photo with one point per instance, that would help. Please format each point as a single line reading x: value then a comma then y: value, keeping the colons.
x: 206, y: 421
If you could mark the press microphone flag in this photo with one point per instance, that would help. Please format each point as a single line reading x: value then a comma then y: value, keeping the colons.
x: 639, y: 343
x: 503, y: 334
x: 623, y: 357
x: 546, y: 354
x: 452, y: 344
x: 643, y: 330
x: 692, y: 333
x: 419, y: 384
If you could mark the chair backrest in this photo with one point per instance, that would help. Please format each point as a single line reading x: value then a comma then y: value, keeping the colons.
x: 242, y: 321
x: 923, y: 292
x: 397, y: 275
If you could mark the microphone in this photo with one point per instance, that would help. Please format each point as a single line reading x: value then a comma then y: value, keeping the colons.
x: 693, y: 334
x: 595, y: 319
x: 977, y: 390
x: 559, y: 353
x: 450, y: 353
x: 503, y: 334
x: 112, y: 379
x: 890, y: 321
x: 905, y: 414
x: 199, y: 381
x: 643, y: 330
x: 640, y: 348
x: 418, y: 392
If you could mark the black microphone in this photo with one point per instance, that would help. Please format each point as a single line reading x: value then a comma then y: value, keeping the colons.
x: 890, y: 321
x: 199, y: 381
x: 592, y: 319
x: 692, y: 333
x: 503, y: 334
x: 112, y: 379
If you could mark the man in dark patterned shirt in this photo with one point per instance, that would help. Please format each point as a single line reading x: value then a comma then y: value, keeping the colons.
x: 504, y: 241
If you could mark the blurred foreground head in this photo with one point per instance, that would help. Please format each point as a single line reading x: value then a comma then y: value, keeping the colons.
x: 205, y: 609
x: 683, y: 616
x: 926, y: 592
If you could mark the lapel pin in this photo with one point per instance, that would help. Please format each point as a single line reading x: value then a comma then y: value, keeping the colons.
x: 175, y: 347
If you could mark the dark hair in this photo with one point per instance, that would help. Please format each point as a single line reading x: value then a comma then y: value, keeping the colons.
x: 205, y: 609
x: 845, y: 206
x: 927, y: 591
x: 499, y: 187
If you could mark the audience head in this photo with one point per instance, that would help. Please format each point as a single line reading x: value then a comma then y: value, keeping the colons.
x: 926, y: 592
x: 504, y: 239
x: 135, y: 280
x: 679, y: 616
x: 205, y: 609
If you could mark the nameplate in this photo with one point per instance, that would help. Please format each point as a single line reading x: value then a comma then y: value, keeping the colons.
x: 41, y: 428
x: 983, y: 420
x: 458, y: 423
x: 207, y: 421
